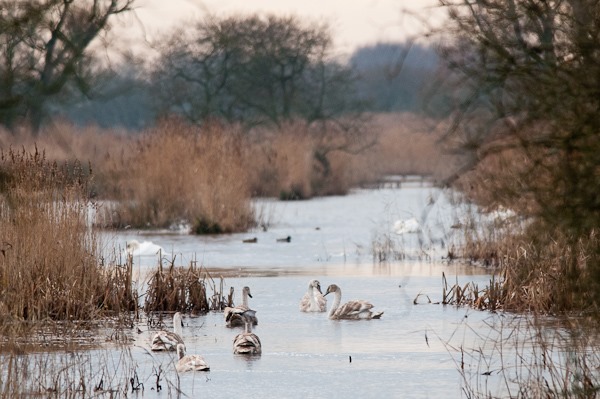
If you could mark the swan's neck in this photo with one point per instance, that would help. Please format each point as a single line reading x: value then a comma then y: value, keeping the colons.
x: 177, y: 327
x: 311, y: 296
x: 247, y: 327
x: 336, y: 302
x: 245, y: 298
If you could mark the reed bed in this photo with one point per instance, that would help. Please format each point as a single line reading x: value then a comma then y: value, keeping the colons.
x: 206, y: 176
x: 184, y: 289
x: 49, y: 265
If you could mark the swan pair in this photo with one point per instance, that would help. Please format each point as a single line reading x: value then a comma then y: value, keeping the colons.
x: 171, y: 340
x: 314, y: 301
x: 246, y: 343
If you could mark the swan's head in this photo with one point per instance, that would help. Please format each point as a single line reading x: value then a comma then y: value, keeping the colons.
x: 132, y: 246
x: 315, y: 284
x: 332, y: 288
x: 246, y: 290
x: 180, y: 350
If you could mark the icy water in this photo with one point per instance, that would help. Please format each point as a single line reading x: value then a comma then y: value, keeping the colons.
x: 413, y: 351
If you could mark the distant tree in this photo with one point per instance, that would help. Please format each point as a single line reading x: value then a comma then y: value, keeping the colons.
x: 44, y: 52
x: 394, y: 76
x: 257, y: 70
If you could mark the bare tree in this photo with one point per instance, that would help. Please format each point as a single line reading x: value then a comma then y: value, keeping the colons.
x: 44, y: 50
x: 527, y: 79
x: 526, y: 75
x: 252, y: 69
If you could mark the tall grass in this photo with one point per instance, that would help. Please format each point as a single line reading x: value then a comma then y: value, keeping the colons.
x: 206, y: 176
x: 49, y: 265
x: 179, y: 172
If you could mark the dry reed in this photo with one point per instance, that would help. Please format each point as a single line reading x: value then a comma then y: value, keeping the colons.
x: 49, y: 262
x: 172, y: 289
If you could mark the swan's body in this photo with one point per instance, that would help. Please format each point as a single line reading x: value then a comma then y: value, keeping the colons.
x: 247, y: 343
x: 145, y: 248
x: 313, y: 300
x: 352, y: 310
x: 189, y: 362
x: 168, y: 340
x: 407, y: 226
x: 234, y: 316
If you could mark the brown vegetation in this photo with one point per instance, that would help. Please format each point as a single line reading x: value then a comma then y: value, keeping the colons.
x: 49, y: 266
x: 207, y: 175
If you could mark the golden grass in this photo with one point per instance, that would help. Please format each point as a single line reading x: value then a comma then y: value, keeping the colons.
x: 48, y: 260
x: 207, y: 176
x: 172, y: 289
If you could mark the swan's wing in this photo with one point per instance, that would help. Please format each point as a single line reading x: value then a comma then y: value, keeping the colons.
x: 247, y: 343
x: 354, y: 310
x: 192, y: 363
x: 235, y: 316
x: 165, y: 341
x: 305, y: 303
x: 321, y: 302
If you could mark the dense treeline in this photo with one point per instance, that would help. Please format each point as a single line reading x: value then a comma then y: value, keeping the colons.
x: 383, y: 77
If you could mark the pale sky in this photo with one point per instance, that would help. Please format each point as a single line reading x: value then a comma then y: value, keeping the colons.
x: 353, y: 23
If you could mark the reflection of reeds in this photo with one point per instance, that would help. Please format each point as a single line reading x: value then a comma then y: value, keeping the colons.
x: 530, y: 357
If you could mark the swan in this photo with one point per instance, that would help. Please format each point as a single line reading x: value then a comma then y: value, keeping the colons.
x: 189, y: 362
x: 247, y: 343
x: 145, y: 248
x: 407, y: 226
x: 168, y: 340
x: 313, y: 300
x: 234, y: 316
x: 352, y: 310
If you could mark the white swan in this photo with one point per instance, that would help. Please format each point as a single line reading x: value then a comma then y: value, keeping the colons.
x: 190, y: 362
x: 234, y: 316
x: 313, y: 300
x: 411, y: 225
x: 145, y: 248
x: 247, y: 343
x: 352, y: 310
x: 168, y: 340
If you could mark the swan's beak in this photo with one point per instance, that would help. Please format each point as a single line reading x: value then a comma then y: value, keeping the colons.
x: 250, y: 295
x: 319, y: 288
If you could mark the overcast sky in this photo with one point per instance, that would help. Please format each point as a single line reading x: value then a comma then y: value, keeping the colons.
x: 353, y: 22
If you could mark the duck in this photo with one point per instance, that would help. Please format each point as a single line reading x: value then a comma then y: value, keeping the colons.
x: 313, y: 300
x: 352, y: 310
x: 285, y: 239
x: 168, y: 340
x: 189, y: 362
x: 247, y: 343
x: 234, y: 315
x: 252, y: 240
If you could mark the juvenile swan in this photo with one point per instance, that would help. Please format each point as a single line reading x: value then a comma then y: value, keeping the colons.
x: 247, y: 343
x: 313, y: 300
x: 168, y: 340
x: 352, y: 310
x: 189, y: 362
x: 233, y: 316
